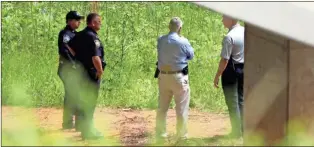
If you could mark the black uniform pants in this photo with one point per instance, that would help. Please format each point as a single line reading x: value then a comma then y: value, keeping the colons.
x: 90, y: 85
x: 232, y: 84
x: 69, y: 77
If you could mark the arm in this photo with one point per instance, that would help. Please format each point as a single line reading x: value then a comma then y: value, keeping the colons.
x: 96, y: 53
x: 189, y: 50
x: 66, y: 49
x: 222, y: 66
x: 97, y: 63
x: 70, y: 49
x: 69, y: 56
x: 225, y: 56
x: 71, y: 45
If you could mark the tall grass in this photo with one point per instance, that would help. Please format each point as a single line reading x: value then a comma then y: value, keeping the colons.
x: 129, y: 33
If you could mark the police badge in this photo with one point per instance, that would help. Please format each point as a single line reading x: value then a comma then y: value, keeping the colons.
x: 66, y: 38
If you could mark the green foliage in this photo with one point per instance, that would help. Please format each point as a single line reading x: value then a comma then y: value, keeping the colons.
x: 129, y: 32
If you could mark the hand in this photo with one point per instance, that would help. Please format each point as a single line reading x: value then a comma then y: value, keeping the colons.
x: 216, y: 81
x: 99, y: 74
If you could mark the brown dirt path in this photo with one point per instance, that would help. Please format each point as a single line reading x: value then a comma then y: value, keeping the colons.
x: 120, y: 127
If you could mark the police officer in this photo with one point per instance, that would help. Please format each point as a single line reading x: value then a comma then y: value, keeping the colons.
x: 90, y: 54
x: 231, y: 71
x: 67, y: 66
x: 174, y: 52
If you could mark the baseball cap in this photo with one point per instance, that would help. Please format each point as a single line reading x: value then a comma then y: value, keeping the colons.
x: 74, y: 15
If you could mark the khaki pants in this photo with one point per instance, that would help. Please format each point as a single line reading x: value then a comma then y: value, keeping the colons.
x: 176, y: 85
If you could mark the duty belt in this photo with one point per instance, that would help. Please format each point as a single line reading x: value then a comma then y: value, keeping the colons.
x: 170, y: 72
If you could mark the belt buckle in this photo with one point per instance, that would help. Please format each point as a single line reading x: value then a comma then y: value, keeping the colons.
x: 165, y: 72
x: 170, y: 72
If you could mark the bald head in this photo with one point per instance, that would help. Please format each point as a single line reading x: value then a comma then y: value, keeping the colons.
x: 228, y: 21
x: 175, y: 24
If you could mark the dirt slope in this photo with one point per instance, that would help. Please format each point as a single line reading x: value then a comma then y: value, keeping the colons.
x: 120, y: 127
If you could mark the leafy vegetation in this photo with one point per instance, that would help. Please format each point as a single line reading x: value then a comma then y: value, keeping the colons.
x: 129, y: 32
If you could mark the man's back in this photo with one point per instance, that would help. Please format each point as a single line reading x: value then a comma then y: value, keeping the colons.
x: 83, y: 45
x: 173, y: 52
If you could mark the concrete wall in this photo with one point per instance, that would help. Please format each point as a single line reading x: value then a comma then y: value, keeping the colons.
x: 278, y: 83
x: 301, y: 86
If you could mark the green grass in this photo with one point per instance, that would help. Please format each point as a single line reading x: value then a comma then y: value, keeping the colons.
x: 129, y: 32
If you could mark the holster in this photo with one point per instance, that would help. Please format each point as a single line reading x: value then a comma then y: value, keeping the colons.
x: 92, y: 73
x: 157, y: 71
x: 185, y: 70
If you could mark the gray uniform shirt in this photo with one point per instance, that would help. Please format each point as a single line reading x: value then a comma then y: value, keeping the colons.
x: 233, y: 44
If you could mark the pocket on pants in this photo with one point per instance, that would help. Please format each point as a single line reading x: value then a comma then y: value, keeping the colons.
x: 182, y: 81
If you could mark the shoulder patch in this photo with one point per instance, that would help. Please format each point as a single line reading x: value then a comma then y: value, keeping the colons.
x: 66, y: 38
x: 97, y: 43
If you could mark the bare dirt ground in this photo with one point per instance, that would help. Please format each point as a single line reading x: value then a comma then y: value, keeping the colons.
x: 120, y: 127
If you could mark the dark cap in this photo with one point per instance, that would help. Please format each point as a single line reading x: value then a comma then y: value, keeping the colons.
x: 74, y: 15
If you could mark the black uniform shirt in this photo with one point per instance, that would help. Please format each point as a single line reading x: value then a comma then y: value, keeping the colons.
x: 65, y: 36
x: 86, y: 44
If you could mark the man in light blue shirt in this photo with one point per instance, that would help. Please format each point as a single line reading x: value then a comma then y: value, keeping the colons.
x: 174, y: 52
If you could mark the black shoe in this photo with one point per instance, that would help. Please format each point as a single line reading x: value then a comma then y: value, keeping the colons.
x: 94, y: 135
